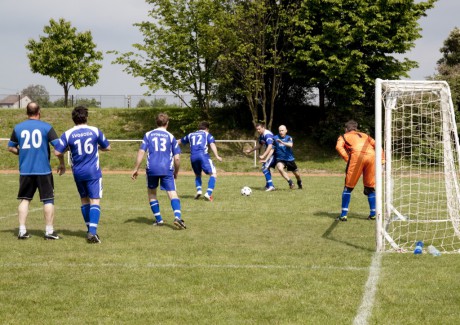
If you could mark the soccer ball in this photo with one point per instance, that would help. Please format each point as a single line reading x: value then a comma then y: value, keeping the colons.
x: 246, y: 191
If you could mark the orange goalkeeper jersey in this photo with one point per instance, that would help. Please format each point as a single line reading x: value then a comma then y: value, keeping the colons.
x: 355, y: 142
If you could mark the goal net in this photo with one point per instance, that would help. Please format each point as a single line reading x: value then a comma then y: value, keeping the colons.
x: 417, y: 188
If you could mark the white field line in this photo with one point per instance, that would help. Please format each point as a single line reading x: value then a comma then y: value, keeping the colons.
x: 185, y: 266
x: 365, y: 309
x: 16, y: 214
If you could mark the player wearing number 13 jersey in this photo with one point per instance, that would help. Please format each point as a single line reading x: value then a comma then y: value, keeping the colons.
x: 163, y: 160
x: 84, y: 142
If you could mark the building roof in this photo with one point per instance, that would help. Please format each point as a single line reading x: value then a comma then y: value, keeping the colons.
x: 11, y: 99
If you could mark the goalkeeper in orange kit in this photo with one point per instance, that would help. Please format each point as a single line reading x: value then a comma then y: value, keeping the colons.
x: 358, y: 150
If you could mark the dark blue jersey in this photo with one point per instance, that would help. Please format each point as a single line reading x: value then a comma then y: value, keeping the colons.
x: 83, y: 141
x: 283, y: 152
x: 161, y: 147
x: 32, y: 138
x: 199, y: 142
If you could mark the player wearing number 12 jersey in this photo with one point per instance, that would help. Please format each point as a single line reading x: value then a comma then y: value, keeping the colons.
x: 199, y: 142
x: 163, y: 160
x: 84, y: 142
x: 30, y: 141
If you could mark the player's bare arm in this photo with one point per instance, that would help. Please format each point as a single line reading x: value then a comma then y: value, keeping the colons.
x: 266, y: 153
x: 176, y: 165
x: 14, y: 150
x: 248, y: 151
x: 214, y: 150
x: 140, y: 156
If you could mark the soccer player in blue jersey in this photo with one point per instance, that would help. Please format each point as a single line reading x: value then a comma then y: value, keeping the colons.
x: 30, y: 140
x: 84, y: 142
x: 267, y: 158
x: 283, y: 144
x: 200, y: 159
x: 163, y: 160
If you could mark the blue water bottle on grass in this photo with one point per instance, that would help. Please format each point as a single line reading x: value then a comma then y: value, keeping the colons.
x: 418, y: 248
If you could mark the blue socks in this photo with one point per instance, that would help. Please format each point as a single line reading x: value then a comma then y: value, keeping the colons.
x: 85, y: 214
x: 175, y: 205
x: 268, y: 177
x: 371, y: 200
x: 211, y: 185
x: 198, y: 183
x: 155, y: 207
x: 346, y: 197
x: 94, y: 215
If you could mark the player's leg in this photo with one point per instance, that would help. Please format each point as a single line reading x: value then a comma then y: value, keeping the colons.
x: 169, y: 185
x: 369, y: 185
x: 210, y: 169
x: 280, y: 166
x: 196, y: 166
x: 27, y: 188
x: 152, y: 185
x: 94, y: 189
x: 85, y: 203
x: 291, y: 166
x: 46, y: 189
x: 270, y: 163
x: 353, y: 172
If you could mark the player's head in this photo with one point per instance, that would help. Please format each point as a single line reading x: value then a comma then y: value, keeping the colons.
x: 33, y: 109
x: 80, y: 115
x: 282, y: 130
x: 203, y: 125
x: 162, y: 120
x: 351, y: 125
x: 260, y: 127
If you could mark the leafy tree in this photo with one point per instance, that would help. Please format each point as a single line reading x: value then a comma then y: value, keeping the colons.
x: 37, y: 93
x: 343, y: 45
x: 254, y: 54
x: 449, y: 65
x: 142, y: 103
x: 180, y: 50
x: 65, y: 55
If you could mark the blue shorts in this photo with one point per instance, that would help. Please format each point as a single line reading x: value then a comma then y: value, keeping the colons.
x: 167, y: 182
x: 204, y: 164
x: 270, y: 163
x: 91, y: 188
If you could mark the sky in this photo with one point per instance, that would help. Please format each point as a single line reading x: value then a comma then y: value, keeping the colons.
x: 111, y: 25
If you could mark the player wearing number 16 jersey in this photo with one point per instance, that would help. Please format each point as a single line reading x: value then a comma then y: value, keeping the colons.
x: 163, y: 160
x: 84, y: 142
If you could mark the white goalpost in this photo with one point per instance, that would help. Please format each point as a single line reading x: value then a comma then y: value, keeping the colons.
x: 418, y: 187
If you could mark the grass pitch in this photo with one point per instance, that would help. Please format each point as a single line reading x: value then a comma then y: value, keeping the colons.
x: 271, y: 258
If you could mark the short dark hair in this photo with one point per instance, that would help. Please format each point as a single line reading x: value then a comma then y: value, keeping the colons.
x: 33, y: 109
x: 80, y: 115
x: 203, y: 125
x: 351, y: 125
x: 262, y: 124
x: 162, y: 119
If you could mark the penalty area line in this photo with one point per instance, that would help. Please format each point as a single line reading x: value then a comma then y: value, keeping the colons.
x: 365, y: 309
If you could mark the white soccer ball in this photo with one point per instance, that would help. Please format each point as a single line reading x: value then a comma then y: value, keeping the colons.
x: 246, y: 191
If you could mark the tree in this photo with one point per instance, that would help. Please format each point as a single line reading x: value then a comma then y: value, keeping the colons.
x: 65, y: 55
x: 180, y: 50
x: 449, y: 65
x: 341, y: 46
x: 38, y: 94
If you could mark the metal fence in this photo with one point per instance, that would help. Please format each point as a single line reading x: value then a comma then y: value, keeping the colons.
x: 110, y: 101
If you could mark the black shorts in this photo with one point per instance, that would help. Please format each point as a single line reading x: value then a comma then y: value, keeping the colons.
x: 289, y: 165
x: 28, y: 184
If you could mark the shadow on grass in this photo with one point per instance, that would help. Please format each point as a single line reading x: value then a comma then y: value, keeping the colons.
x: 149, y: 222
x: 328, y: 234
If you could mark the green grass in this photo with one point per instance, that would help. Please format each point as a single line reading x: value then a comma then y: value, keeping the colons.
x: 271, y: 258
